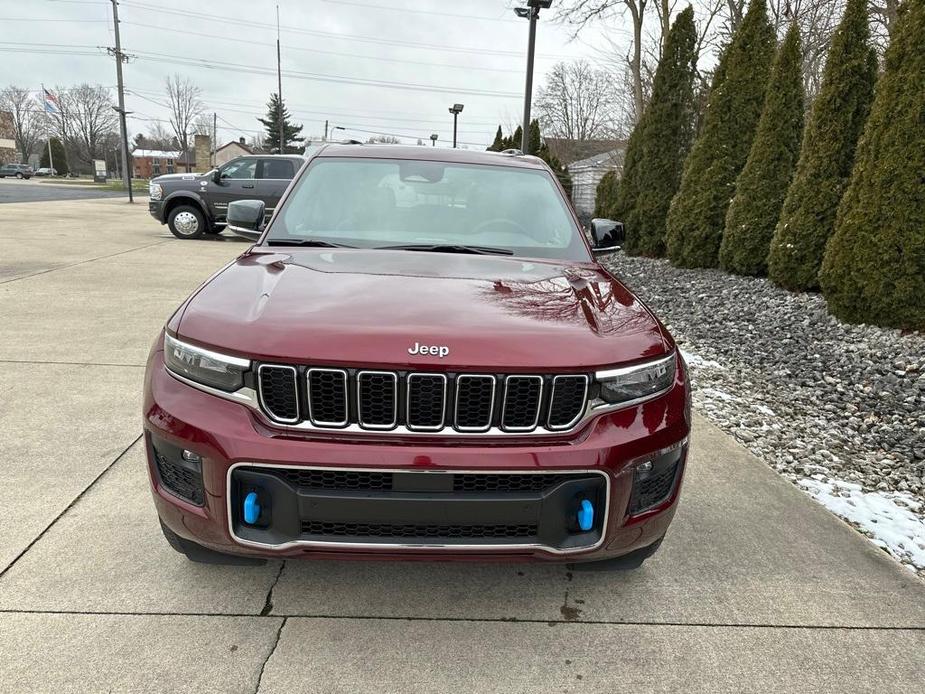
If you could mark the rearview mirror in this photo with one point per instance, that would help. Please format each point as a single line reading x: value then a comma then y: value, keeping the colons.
x: 245, y: 218
x: 607, y: 236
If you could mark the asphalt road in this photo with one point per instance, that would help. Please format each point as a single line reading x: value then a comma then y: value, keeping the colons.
x: 756, y: 588
x: 37, y: 190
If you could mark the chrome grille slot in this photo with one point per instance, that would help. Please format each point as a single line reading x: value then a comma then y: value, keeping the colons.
x: 425, y: 403
x: 327, y: 397
x: 567, y: 401
x: 279, y: 392
x: 475, y: 402
x: 377, y: 399
x: 523, y: 396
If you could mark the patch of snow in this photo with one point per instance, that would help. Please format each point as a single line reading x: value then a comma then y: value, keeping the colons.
x: 763, y: 409
x: 888, y: 517
x: 698, y: 361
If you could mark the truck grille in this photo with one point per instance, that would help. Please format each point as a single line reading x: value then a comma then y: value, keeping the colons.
x: 421, y: 402
x: 419, y: 532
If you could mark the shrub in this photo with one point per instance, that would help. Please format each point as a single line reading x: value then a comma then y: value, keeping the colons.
x: 834, y: 126
x: 698, y: 212
x: 873, y: 270
x: 763, y: 183
x: 605, y: 194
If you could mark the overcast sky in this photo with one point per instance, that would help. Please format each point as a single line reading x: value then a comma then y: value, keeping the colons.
x: 371, y: 66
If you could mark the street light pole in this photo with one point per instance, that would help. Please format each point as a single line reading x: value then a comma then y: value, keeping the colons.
x: 531, y: 12
x: 279, y: 81
x: 433, y: 139
x: 455, y: 109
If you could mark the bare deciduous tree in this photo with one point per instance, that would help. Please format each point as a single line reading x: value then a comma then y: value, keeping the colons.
x: 578, y: 102
x: 28, y: 119
x: 87, y: 119
x: 185, y: 107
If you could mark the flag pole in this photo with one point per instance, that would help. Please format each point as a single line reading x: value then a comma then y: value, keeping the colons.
x: 51, y: 159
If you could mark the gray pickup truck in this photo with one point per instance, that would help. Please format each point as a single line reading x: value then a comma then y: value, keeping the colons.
x: 195, y: 204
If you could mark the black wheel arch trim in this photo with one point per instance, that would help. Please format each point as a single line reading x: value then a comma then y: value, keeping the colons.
x: 171, y: 200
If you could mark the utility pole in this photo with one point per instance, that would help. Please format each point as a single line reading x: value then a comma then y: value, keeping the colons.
x: 51, y: 159
x: 214, y: 136
x: 325, y: 129
x: 279, y: 80
x: 121, y: 58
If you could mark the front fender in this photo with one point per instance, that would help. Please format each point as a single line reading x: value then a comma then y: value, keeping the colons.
x: 188, y: 196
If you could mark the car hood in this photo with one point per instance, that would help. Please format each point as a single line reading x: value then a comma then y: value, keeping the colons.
x: 354, y: 307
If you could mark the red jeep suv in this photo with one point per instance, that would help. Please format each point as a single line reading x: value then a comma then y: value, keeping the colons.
x: 419, y: 358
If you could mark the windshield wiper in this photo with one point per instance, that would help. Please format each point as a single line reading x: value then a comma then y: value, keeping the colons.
x: 307, y: 242
x: 449, y: 248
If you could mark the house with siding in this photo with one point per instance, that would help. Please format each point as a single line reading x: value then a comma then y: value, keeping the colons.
x: 587, y: 173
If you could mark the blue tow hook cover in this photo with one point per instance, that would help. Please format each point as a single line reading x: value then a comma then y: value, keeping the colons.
x: 251, y: 508
x: 586, y: 515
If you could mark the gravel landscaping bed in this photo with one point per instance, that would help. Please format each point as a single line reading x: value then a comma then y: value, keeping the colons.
x: 837, y: 409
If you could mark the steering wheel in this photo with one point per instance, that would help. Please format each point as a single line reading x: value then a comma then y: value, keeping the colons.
x: 518, y: 228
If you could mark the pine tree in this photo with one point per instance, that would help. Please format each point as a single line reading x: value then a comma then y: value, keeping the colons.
x: 698, y: 211
x: 58, y: 153
x: 834, y: 126
x: 665, y: 139
x: 763, y: 183
x: 276, y: 111
x: 498, y: 144
x: 873, y: 270
x: 535, y: 140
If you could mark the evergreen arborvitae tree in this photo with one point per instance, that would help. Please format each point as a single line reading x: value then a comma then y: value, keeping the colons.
x: 627, y: 189
x: 498, y: 144
x: 667, y: 130
x: 534, y: 139
x: 605, y: 194
x: 763, y: 183
x: 873, y: 270
x: 58, y: 153
x: 835, y: 124
x: 276, y: 111
x: 698, y: 211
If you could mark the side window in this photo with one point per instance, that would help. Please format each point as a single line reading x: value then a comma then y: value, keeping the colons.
x: 279, y: 169
x: 240, y: 169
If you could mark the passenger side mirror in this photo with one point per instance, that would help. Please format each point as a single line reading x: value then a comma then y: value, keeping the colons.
x: 217, y: 176
x: 245, y: 218
x: 607, y: 236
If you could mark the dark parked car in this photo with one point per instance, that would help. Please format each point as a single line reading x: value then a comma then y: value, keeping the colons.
x: 16, y: 171
x: 419, y: 358
x: 195, y: 204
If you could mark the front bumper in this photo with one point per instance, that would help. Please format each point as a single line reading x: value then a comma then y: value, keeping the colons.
x: 156, y: 209
x: 419, y: 515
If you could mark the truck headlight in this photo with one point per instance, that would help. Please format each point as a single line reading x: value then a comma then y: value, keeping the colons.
x: 155, y: 191
x: 637, y: 382
x: 204, y: 366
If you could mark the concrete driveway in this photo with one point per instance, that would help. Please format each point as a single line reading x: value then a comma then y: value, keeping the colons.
x: 755, y: 589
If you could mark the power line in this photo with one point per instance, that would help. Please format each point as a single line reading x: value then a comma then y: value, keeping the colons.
x: 338, y: 54
x: 417, y: 11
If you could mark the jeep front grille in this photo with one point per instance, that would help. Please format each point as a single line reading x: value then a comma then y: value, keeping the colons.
x: 332, y: 398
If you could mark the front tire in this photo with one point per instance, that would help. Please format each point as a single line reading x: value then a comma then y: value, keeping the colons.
x: 186, y: 222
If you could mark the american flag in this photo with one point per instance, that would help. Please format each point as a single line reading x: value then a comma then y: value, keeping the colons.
x: 51, y: 102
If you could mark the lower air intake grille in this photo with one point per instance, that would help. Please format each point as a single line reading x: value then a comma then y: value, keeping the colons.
x: 651, y: 489
x: 337, y: 479
x: 431, y: 532
x: 181, y: 478
x: 279, y: 392
x: 508, y: 482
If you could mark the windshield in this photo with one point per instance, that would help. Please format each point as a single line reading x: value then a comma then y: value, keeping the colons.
x: 377, y: 203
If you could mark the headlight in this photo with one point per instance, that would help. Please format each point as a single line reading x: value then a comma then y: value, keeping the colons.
x: 155, y: 191
x: 204, y: 366
x: 638, y: 382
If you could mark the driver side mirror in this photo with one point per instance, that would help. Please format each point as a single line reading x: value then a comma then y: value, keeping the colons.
x: 607, y: 236
x: 245, y: 218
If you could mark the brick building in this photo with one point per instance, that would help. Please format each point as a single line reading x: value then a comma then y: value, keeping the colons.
x: 8, y: 153
x: 149, y: 163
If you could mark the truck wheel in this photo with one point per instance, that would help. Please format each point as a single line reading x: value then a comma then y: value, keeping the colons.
x: 204, y: 555
x: 19, y: 176
x: 186, y: 222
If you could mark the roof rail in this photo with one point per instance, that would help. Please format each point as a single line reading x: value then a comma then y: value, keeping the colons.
x: 513, y: 152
